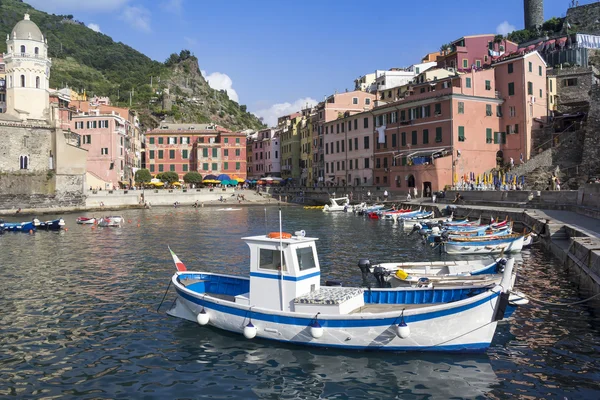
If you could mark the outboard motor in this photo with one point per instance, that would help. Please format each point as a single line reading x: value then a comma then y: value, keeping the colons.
x: 416, y: 227
x: 422, y: 232
x: 445, y: 235
x: 379, y: 273
x: 365, y: 267
x: 500, y: 265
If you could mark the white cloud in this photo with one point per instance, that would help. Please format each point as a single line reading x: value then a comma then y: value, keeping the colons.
x: 270, y: 115
x: 172, y: 6
x: 220, y: 81
x: 94, y: 27
x: 505, y: 28
x: 72, y: 6
x: 137, y: 17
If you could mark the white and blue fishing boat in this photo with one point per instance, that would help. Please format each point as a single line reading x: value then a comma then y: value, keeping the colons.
x: 21, y: 226
x: 511, y: 243
x: 52, y: 225
x: 283, y: 300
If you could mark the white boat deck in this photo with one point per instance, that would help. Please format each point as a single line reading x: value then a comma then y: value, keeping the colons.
x: 383, y: 308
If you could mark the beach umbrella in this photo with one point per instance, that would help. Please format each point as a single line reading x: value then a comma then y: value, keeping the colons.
x: 223, y: 177
x: 210, y: 176
x: 226, y: 182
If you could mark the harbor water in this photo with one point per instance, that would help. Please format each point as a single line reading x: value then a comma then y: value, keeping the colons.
x: 79, y: 318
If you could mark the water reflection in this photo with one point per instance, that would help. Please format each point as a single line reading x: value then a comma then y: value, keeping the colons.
x: 78, y: 318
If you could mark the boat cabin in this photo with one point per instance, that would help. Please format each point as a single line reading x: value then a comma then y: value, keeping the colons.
x: 285, y: 274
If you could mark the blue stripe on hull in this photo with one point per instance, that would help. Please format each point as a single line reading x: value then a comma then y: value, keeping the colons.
x: 332, y: 323
x: 285, y: 277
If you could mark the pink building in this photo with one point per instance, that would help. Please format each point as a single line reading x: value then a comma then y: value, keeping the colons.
x: 335, y: 106
x: 103, y: 136
x: 441, y: 129
x: 349, y: 150
x: 521, y: 81
x: 474, y: 51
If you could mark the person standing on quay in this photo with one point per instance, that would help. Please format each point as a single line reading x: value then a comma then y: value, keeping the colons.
x: 415, y: 192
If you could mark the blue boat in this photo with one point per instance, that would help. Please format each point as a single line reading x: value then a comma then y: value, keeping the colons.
x: 21, y: 226
x: 53, y: 225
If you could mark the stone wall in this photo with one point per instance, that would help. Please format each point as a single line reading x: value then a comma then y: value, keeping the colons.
x: 591, y: 149
x: 585, y: 18
x: 25, y: 140
x: 577, y: 97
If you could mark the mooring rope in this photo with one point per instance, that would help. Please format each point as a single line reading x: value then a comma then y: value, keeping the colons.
x: 549, y: 303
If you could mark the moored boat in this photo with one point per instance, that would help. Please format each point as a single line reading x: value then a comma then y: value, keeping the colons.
x: 86, y: 220
x: 337, y: 204
x: 110, y: 221
x: 52, y: 225
x: 21, y: 226
x: 283, y: 300
x: 484, y: 244
x: 436, y: 273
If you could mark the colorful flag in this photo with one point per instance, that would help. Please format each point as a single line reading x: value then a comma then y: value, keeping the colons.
x: 178, y: 264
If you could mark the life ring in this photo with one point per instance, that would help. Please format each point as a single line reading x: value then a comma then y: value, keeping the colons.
x: 279, y: 235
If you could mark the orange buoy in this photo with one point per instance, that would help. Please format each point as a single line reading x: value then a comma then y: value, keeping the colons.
x: 129, y: 221
x: 31, y: 231
x: 279, y: 235
x: 138, y: 225
x: 66, y: 229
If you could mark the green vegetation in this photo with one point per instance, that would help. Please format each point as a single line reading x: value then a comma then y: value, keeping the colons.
x: 168, y: 177
x: 551, y: 27
x: 142, y: 176
x: 192, y: 177
x: 87, y: 60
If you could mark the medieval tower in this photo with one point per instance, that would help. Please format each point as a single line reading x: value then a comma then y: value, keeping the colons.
x: 534, y: 13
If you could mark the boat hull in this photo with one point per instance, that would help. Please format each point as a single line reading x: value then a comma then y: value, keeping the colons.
x: 462, y: 326
x: 509, y: 245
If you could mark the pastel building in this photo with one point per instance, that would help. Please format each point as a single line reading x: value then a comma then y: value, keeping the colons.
x: 103, y: 136
x: 445, y: 129
x: 335, y: 106
x: 2, y: 85
x: 204, y: 148
x: 349, y: 150
x: 474, y: 51
x: 250, y: 139
x: 290, y: 146
x: 266, y: 153
x: 450, y: 128
x: 521, y: 81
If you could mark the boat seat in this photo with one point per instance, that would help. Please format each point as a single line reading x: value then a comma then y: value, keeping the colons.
x: 190, y: 281
x: 329, y: 295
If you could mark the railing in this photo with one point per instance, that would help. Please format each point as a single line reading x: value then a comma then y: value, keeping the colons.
x: 73, y: 138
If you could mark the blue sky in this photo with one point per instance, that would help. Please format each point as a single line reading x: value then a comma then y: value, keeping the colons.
x: 274, y: 56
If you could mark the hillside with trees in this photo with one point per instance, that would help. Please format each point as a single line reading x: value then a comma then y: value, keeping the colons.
x: 87, y: 60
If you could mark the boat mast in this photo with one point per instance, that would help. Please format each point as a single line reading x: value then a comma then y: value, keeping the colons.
x: 280, y: 262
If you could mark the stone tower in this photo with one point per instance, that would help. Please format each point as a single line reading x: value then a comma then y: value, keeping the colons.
x: 27, y: 72
x: 534, y: 13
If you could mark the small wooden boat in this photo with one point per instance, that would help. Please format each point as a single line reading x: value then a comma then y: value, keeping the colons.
x: 21, y: 226
x: 111, y: 221
x: 86, y: 220
x: 436, y: 273
x: 290, y: 305
x: 485, y: 244
x: 53, y: 225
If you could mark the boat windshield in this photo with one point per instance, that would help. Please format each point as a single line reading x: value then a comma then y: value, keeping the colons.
x: 271, y: 259
x: 306, y: 258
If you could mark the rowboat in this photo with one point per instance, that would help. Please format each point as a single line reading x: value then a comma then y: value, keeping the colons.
x: 283, y: 300
x: 52, y: 225
x: 110, y: 221
x: 485, y: 244
x: 421, y: 215
x: 436, y: 273
x: 21, y: 226
x: 85, y: 220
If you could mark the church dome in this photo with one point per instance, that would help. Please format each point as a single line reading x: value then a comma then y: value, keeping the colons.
x: 26, y: 30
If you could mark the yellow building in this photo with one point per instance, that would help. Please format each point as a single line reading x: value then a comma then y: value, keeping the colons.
x: 290, y: 146
x: 552, y: 98
x: 306, y: 132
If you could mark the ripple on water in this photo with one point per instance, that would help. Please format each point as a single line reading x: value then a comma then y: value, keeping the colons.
x: 79, y: 319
